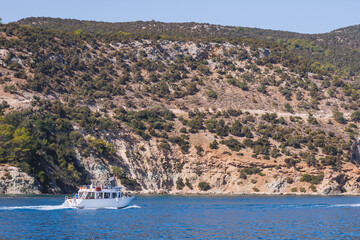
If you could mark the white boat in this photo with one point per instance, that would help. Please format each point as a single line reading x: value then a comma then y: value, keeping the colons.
x: 99, y: 197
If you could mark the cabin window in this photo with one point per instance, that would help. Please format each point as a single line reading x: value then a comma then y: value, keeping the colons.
x: 99, y: 195
x: 90, y: 195
x: 114, y: 195
x: 107, y: 195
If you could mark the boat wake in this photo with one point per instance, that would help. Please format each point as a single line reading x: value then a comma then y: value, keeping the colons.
x: 132, y: 206
x: 347, y: 205
x: 53, y: 207
x: 40, y: 207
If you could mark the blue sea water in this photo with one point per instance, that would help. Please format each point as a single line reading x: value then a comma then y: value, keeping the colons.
x: 185, y: 217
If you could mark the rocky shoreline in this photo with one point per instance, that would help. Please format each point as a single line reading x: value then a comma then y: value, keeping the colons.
x: 13, y: 181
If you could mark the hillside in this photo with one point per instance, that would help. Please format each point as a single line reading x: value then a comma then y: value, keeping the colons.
x: 337, y: 51
x: 172, y: 114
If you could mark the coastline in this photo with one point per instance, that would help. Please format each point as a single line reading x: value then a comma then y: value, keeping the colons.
x: 196, y: 194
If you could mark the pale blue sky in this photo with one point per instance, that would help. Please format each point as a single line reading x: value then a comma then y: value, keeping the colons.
x: 305, y: 16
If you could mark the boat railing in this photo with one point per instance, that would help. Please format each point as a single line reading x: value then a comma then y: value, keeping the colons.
x: 99, y: 188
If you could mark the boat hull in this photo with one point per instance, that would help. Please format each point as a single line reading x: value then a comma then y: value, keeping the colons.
x: 99, y: 203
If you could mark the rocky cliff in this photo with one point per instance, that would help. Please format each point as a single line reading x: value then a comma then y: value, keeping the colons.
x: 15, y: 181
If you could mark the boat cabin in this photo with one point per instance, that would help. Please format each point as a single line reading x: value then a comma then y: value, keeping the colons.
x: 103, y: 192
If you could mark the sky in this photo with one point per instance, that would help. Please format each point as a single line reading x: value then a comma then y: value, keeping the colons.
x: 304, y: 16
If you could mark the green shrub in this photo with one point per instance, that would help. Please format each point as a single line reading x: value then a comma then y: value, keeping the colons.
x: 214, y: 145
x: 355, y: 116
x: 312, y: 120
x: 204, y: 186
x: 183, y: 130
x: 199, y: 150
x: 313, y: 188
x: 237, y: 129
x: 212, y: 94
x: 289, y: 108
x: 211, y: 125
x: 182, y: 143
x: 118, y: 171
x: 240, y: 84
x: 20, y: 74
x: 243, y: 175
x: 131, y: 184
x: 10, y: 89
x: 180, y: 184
x: 270, y: 117
x: 261, y: 146
x: 196, y: 123
x: 222, y: 129
x: 232, y: 144
x: 339, y: 117
x: 289, y: 180
x: 101, y: 146
x: 251, y: 171
x: 165, y: 145
x: 188, y: 184
x: 313, y: 179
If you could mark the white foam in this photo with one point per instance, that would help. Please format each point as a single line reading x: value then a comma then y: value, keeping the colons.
x: 54, y: 207
x: 347, y: 205
x: 132, y: 206
x: 40, y: 207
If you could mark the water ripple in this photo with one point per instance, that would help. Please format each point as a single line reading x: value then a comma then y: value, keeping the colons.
x: 184, y: 217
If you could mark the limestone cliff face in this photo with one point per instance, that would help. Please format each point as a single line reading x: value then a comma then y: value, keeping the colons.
x: 14, y: 181
x: 158, y: 171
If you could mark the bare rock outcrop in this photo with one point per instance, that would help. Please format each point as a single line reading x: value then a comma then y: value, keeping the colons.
x: 15, y: 181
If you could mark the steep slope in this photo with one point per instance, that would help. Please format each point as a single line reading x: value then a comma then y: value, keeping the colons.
x: 166, y: 115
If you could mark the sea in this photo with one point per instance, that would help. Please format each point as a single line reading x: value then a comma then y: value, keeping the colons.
x: 184, y: 217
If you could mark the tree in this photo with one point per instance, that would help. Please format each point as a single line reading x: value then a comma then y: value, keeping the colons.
x: 80, y: 33
x: 222, y: 129
x: 196, y: 123
x: 236, y: 129
x: 232, y: 143
x: 211, y: 125
x: 20, y: 144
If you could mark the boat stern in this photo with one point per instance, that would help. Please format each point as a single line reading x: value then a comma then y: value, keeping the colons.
x: 72, y: 202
